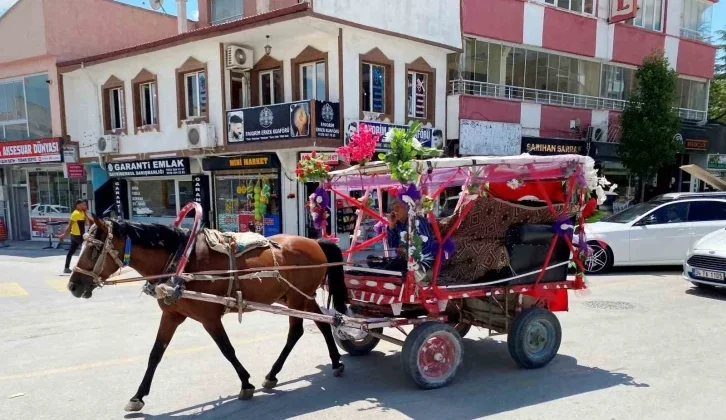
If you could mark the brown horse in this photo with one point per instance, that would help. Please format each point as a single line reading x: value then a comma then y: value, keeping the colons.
x: 151, y: 248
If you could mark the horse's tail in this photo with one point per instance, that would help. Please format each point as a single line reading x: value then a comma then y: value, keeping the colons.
x: 336, y: 276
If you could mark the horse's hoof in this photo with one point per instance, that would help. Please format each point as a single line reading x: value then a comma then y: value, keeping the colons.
x: 246, y: 394
x: 338, y: 372
x: 134, y: 405
x: 268, y: 384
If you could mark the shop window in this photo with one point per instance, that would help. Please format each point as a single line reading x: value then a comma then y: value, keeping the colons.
x: 266, y: 79
x: 159, y: 200
x: 192, y: 100
x: 650, y: 15
x: 240, y: 208
x: 581, y: 6
x: 25, y: 108
x: 421, y: 91
x: 376, y: 90
x: 146, y: 106
x: 114, y: 111
x: 311, y: 68
x: 52, y: 198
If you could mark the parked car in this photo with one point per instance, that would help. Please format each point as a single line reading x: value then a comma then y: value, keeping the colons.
x: 658, y: 232
x: 705, y: 264
x: 50, y: 210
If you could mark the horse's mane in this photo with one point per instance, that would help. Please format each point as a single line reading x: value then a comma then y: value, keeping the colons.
x: 151, y: 235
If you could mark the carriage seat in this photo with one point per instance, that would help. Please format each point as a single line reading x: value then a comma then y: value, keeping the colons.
x: 527, y: 245
x: 241, y: 242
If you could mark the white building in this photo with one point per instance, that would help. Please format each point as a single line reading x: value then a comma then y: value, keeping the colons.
x: 355, y: 57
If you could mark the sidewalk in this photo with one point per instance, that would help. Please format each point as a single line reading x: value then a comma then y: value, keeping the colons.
x: 36, y: 246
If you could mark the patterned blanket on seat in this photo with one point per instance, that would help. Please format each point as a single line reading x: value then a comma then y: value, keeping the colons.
x: 241, y: 241
x: 479, y: 240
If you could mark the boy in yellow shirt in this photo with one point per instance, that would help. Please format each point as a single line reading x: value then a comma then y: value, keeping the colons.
x: 76, y: 227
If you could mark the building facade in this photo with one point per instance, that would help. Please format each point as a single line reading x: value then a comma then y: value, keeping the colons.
x: 40, y: 177
x: 223, y: 113
x: 545, y: 76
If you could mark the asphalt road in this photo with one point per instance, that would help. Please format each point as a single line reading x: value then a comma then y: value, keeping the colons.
x: 640, y: 345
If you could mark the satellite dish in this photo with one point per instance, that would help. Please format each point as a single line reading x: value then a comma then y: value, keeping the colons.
x: 156, y: 4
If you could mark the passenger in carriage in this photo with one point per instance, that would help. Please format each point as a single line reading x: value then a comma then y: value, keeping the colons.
x: 398, y: 227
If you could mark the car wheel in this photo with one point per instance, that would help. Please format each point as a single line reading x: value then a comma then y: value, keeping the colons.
x: 601, y: 259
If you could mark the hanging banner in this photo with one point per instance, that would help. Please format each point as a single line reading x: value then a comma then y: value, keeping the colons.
x: 428, y: 137
x: 270, y: 122
x: 31, y: 151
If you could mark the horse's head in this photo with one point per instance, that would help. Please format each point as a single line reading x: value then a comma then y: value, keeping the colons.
x: 98, y: 260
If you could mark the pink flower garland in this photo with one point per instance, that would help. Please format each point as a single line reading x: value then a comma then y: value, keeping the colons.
x: 361, y: 147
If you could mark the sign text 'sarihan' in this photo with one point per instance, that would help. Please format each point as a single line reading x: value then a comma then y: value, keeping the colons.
x: 621, y: 10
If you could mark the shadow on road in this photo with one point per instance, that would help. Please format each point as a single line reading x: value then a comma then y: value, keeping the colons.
x: 32, y: 253
x: 487, y: 383
x: 655, y: 270
x: 716, y: 294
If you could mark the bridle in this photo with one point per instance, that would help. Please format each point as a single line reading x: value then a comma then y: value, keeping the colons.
x: 107, y: 250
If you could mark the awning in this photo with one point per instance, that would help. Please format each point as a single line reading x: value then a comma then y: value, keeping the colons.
x: 705, y: 176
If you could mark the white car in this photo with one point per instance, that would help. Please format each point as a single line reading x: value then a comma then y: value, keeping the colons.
x: 658, y: 232
x: 705, y: 264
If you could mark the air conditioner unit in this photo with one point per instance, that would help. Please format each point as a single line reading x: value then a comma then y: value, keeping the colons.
x: 201, y: 136
x: 239, y: 58
x: 595, y: 134
x: 107, y: 144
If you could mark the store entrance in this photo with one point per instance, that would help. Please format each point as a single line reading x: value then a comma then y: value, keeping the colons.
x: 21, y: 215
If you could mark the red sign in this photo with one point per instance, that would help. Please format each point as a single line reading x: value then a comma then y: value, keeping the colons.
x: 3, y: 230
x: 31, y: 151
x: 75, y: 170
x: 621, y: 10
x: 39, y: 227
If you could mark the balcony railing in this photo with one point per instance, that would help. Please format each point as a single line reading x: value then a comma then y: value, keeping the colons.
x: 226, y: 19
x: 697, y: 35
x: 547, y: 97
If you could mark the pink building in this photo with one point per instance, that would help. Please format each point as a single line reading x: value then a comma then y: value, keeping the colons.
x: 544, y: 76
x: 36, y: 182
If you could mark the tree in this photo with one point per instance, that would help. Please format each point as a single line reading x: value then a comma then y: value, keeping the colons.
x: 650, y: 122
x: 720, y: 43
x: 717, y: 100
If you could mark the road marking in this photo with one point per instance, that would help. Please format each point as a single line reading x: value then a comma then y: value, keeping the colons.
x: 134, y: 359
x: 60, y: 285
x: 12, y: 290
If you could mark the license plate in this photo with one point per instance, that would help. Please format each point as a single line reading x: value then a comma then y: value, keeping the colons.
x: 712, y: 275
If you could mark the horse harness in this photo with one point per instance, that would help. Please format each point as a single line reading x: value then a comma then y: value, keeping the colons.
x: 107, y: 250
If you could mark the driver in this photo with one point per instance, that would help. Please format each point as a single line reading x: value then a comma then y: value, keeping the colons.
x: 398, y: 225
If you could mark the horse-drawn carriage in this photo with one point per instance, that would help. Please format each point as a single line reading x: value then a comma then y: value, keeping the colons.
x: 500, y: 262
x: 503, y: 260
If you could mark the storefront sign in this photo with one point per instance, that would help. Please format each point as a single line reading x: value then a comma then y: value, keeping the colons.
x: 200, y: 184
x: 216, y: 163
x: 700, y: 145
x: 120, y: 196
x: 152, y: 167
x: 621, y: 10
x: 39, y: 226
x: 426, y: 136
x: 543, y: 146
x: 489, y: 138
x: 716, y: 163
x: 74, y: 171
x: 603, y: 151
x: 70, y: 154
x: 270, y: 122
x: 31, y: 151
x: 331, y: 159
x: 327, y: 119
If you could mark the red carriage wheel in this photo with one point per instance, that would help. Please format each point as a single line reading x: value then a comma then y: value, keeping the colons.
x: 432, y: 354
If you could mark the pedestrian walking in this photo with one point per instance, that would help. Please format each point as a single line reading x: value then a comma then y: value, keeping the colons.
x: 76, y: 228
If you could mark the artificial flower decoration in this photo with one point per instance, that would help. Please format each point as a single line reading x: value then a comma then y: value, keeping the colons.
x: 361, y: 147
x: 405, y: 148
x: 447, y: 250
x: 313, y: 167
x: 319, y: 206
x: 409, y: 195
